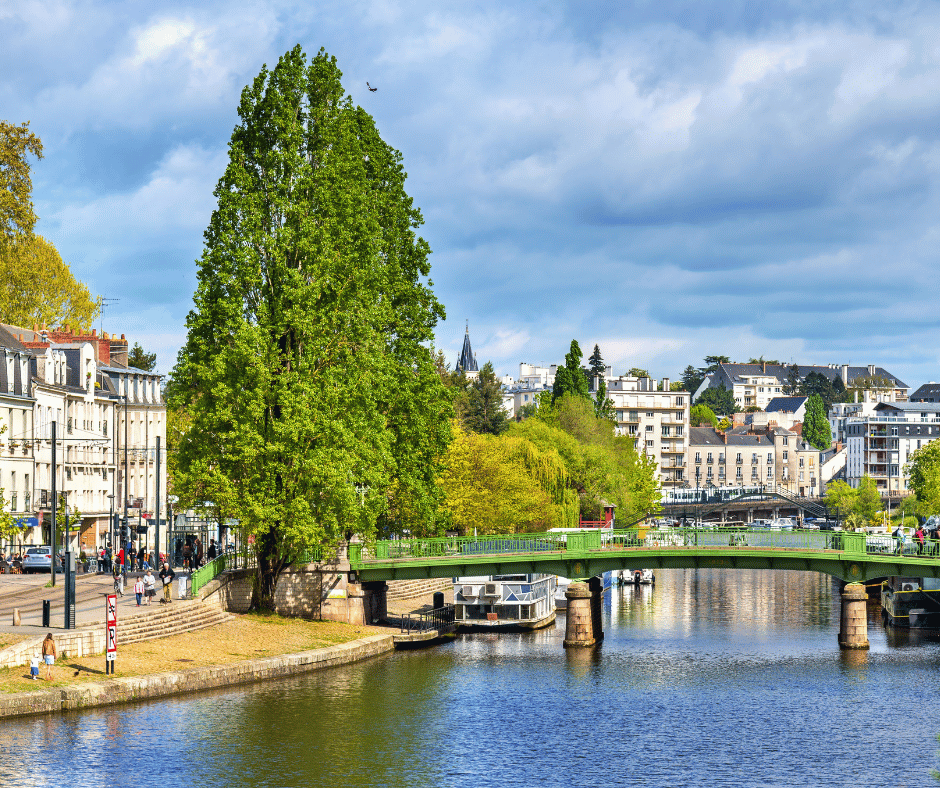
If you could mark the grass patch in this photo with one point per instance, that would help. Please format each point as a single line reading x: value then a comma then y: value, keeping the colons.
x: 246, y: 637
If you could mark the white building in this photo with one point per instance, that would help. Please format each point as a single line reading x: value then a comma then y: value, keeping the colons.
x: 880, y: 443
x: 658, y: 421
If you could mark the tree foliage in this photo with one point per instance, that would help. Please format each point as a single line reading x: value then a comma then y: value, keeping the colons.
x: 37, y: 286
x: 569, y: 379
x: 603, y: 405
x: 816, y: 429
x: 868, y: 499
x: 637, y: 372
x: 923, y: 471
x: 17, y: 217
x: 307, y: 371
x: 702, y: 416
x: 863, y: 502
x: 691, y: 379
x: 719, y: 399
x: 597, y: 368
x: 480, y: 408
x: 140, y: 359
x: 793, y: 384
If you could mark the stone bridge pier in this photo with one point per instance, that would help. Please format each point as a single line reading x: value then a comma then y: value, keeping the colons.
x: 853, y: 624
x: 584, y: 626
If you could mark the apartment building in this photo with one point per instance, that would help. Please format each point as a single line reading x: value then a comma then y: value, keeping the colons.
x: 879, y: 443
x: 658, y: 421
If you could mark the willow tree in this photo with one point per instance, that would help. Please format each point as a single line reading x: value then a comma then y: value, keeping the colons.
x: 307, y: 374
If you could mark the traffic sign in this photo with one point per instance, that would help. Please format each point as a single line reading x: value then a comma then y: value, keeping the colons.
x: 111, y: 609
x: 112, y: 641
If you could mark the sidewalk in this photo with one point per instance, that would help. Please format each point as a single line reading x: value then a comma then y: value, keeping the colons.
x: 27, y: 592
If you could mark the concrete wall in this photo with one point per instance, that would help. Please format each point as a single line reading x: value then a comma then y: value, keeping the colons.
x: 76, y: 643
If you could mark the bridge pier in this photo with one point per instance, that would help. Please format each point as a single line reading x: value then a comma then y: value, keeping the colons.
x: 853, y: 625
x: 583, y: 623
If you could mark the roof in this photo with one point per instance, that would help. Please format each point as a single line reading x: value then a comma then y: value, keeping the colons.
x: 910, y: 407
x: 929, y: 392
x: 707, y: 436
x: 467, y: 361
x: 785, y: 404
x: 737, y: 372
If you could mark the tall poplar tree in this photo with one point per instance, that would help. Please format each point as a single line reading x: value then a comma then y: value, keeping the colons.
x: 307, y: 373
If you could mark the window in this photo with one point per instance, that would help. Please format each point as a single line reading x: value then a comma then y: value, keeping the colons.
x: 710, y: 472
x: 740, y: 472
x: 785, y: 455
x: 894, y: 430
x: 698, y: 458
x: 680, y: 400
x: 754, y: 457
x: 634, y: 416
x: 649, y: 427
x: 632, y: 429
x: 679, y: 430
x: 801, y: 475
x: 709, y: 456
x: 679, y: 475
x: 770, y: 459
x: 721, y: 457
x: 770, y: 473
x: 649, y: 414
x: 650, y: 443
x: 666, y: 431
x: 739, y: 460
x: 802, y: 460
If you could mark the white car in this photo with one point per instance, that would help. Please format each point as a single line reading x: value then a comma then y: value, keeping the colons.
x: 38, y: 559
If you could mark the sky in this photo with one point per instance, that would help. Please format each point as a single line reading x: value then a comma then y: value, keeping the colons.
x: 668, y: 180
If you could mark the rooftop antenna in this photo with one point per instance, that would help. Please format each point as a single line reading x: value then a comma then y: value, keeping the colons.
x: 104, y: 303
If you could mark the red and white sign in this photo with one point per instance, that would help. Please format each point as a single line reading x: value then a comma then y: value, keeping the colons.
x: 111, y: 624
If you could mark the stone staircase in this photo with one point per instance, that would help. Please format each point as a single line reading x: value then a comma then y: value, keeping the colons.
x: 172, y: 619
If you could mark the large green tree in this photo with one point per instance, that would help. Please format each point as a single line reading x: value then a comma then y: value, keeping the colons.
x: 597, y: 367
x: 307, y: 372
x: 482, y: 407
x: 816, y: 429
x: 719, y: 399
x: 923, y: 471
x: 691, y: 379
x: 141, y: 359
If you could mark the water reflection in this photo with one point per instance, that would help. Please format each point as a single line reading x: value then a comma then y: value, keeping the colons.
x: 710, y: 678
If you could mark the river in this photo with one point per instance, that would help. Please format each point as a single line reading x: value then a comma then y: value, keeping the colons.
x: 712, y: 678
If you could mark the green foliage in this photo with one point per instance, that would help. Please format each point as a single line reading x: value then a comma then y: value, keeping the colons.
x: 840, y: 497
x: 816, y: 428
x: 636, y: 372
x: 923, y: 471
x: 141, y: 360
x: 601, y: 465
x: 604, y: 405
x: 314, y: 403
x: 691, y: 379
x: 597, y: 367
x: 763, y: 360
x: 569, y: 379
x: 702, y: 416
x: 868, y: 499
x: 719, y: 399
x: 482, y: 408
x: 752, y: 409
x: 794, y: 381
x: 37, y: 286
x: 17, y: 217
x: 713, y: 363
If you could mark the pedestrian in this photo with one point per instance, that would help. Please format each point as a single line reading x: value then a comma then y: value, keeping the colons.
x: 101, y: 560
x: 118, y: 579
x: 198, y: 550
x: 919, y: 538
x: 167, y: 575
x: 899, y: 539
x: 34, y: 667
x: 140, y: 558
x: 149, y: 586
x: 213, y: 551
x: 48, y: 655
x: 187, y: 553
x: 120, y: 557
x: 139, y: 591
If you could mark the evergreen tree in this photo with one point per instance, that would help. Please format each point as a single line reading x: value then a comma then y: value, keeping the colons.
x: 484, y: 411
x: 569, y: 379
x: 603, y: 405
x: 691, y: 379
x: 794, y: 382
x: 597, y: 367
x: 139, y: 359
x: 307, y: 372
x: 719, y: 399
x: 816, y: 430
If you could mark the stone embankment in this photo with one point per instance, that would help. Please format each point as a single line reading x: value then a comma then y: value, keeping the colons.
x: 135, y: 688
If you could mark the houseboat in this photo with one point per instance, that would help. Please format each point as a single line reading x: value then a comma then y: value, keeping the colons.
x: 911, y: 602
x: 504, y: 601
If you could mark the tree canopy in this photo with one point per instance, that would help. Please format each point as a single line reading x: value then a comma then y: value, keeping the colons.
x: 816, y: 429
x: 719, y: 399
x: 569, y: 379
x: 480, y: 408
x: 37, y: 286
x: 702, y: 416
x: 140, y: 359
x: 923, y: 471
x: 17, y: 217
x: 307, y: 374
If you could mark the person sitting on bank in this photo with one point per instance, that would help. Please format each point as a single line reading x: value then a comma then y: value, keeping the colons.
x: 167, y: 575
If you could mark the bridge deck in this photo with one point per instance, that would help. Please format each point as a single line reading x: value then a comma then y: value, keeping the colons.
x: 849, y: 556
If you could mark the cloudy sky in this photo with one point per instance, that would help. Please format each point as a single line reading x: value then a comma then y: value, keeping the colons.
x: 666, y: 179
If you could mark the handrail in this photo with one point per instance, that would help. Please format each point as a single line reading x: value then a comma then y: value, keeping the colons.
x: 211, y: 570
x: 441, y: 619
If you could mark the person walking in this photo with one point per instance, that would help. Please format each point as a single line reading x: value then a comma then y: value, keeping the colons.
x: 899, y: 539
x: 919, y: 538
x: 140, y: 558
x: 149, y: 586
x: 167, y: 575
x: 139, y: 590
x: 197, y: 548
x: 213, y: 551
x: 49, y: 655
x: 116, y: 570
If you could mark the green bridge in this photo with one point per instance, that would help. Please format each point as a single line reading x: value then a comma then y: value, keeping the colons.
x: 849, y: 556
x: 853, y: 557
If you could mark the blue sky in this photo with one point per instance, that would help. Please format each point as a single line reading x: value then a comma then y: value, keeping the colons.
x: 666, y: 179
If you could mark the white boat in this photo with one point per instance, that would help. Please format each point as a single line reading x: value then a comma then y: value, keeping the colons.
x: 504, y: 601
x: 643, y: 577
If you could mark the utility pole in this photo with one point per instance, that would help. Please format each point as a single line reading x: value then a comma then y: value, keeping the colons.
x: 52, y: 544
x: 157, y: 513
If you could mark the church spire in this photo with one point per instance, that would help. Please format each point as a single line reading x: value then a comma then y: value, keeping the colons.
x: 467, y: 361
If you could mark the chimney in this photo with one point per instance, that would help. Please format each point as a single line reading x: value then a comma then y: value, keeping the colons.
x: 845, y: 374
x: 871, y: 370
x: 725, y: 436
x: 666, y: 384
x: 763, y: 367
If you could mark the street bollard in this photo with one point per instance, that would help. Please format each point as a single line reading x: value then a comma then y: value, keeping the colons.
x: 46, y: 612
x: 16, y: 616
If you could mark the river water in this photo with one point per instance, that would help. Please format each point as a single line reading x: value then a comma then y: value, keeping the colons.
x: 712, y: 678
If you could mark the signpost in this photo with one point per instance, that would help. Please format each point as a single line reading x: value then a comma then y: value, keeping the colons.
x: 111, y: 631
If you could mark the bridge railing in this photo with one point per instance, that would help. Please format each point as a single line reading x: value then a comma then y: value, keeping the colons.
x: 442, y: 619
x: 849, y: 543
x: 202, y: 576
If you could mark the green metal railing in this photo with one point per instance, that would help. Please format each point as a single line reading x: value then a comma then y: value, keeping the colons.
x: 454, y: 548
x: 202, y: 576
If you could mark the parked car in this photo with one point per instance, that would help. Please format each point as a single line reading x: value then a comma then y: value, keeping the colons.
x: 38, y: 559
